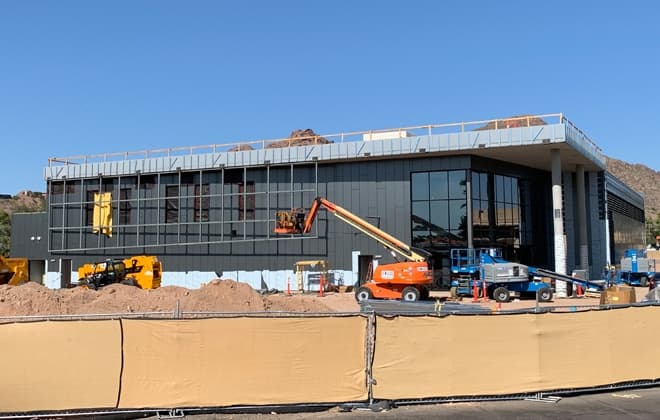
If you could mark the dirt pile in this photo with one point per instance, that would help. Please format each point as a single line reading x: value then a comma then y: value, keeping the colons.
x: 241, y: 147
x: 299, y: 138
x: 513, y: 121
x: 217, y: 296
x: 24, y: 201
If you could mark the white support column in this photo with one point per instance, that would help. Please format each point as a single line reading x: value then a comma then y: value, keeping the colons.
x: 558, y: 222
x: 582, y: 218
x: 468, y: 186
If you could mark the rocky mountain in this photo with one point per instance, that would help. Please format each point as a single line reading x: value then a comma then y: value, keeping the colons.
x: 24, y: 201
x: 642, y: 179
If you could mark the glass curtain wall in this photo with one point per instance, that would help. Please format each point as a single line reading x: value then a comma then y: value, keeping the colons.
x: 439, y: 211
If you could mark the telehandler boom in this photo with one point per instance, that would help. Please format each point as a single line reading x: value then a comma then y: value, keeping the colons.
x: 408, y: 280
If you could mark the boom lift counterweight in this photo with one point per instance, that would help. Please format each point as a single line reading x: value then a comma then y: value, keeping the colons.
x: 409, y: 280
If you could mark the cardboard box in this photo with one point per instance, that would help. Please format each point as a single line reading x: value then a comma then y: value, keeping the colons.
x: 618, y: 295
x: 653, y: 254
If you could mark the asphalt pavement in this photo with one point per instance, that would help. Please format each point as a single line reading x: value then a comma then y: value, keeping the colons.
x: 624, y: 404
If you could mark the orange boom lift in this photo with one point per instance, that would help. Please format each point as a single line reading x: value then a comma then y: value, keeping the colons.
x: 409, y: 280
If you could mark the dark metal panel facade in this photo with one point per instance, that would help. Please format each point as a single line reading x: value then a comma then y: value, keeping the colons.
x: 28, y: 235
x: 378, y: 190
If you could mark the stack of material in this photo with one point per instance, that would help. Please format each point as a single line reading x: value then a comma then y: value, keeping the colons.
x: 618, y: 295
x: 653, y: 254
x: 652, y: 296
x: 426, y: 307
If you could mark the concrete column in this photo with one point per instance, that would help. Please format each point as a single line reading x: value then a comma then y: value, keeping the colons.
x: 468, y: 186
x: 582, y: 218
x: 558, y: 222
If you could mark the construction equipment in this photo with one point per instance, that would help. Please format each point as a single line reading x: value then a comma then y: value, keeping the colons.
x: 638, y: 266
x: 143, y: 271
x: 320, y: 266
x: 408, y: 280
x: 471, y: 268
x: 14, y: 271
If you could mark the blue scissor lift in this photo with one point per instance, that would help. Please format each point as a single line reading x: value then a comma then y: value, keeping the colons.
x: 503, y: 279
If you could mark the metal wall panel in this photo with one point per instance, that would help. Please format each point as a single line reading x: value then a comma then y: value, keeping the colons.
x: 375, y: 189
x: 28, y: 238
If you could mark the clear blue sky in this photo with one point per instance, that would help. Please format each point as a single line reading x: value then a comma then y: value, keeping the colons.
x: 86, y: 77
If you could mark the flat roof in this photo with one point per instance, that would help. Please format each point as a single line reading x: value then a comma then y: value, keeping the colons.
x: 525, y: 140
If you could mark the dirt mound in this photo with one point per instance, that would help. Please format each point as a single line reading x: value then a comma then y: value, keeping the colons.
x: 217, y: 296
x: 24, y: 201
x: 241, y: 147
x: 513, y: 121
x: 299, y: 138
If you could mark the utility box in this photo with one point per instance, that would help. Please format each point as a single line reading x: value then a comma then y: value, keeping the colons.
x: 384, y: 135
x: 505, y: 273
x: 618, y: 295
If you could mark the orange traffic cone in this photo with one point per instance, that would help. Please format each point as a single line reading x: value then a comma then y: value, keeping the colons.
x: 288, y: 286
x: 475, y: 292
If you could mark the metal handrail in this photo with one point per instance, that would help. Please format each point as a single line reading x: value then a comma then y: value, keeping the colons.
x: 344, y: 137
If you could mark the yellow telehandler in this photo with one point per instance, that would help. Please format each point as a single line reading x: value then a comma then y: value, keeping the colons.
x: 143, y: 271
x: 14, y: 271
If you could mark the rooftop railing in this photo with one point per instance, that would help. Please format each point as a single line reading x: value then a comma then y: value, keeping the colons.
x: 399, y: 132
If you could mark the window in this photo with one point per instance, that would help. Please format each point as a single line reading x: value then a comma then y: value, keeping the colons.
x: 56, y: 188
x: 439, y: 208
x: 172, y: 204
x: 89, y: 207
x: 125, y: 206
x: 246, y: 200
x: 202, y: 203
x: 147, y: 182
x: 507, y: 199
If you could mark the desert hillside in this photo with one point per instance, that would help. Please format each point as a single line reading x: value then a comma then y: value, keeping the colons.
x: 642, y: 179
x: 24, y: 201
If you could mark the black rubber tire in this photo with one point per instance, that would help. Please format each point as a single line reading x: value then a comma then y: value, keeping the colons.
x: 545, y: 294
x: 410, y: 294
x: 363, y: 293
x: 425, y: 293
x: 501, y: 294
x: 130, y: 281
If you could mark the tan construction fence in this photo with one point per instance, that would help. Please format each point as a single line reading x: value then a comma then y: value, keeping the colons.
x: 252, y: 361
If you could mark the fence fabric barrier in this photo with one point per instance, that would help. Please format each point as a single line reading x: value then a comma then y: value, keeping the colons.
x: 425, y: 357
x: 420, y: 357
x: 243, y: 361
x: 59, y: 365
x: 580, y: 350
x: 140, y: 363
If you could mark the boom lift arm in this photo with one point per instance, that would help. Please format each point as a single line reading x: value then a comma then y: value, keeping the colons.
x: 409, y: 280
x: 384, y: 238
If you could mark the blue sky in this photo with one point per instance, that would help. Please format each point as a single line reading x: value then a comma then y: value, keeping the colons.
x: 87, y: 77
